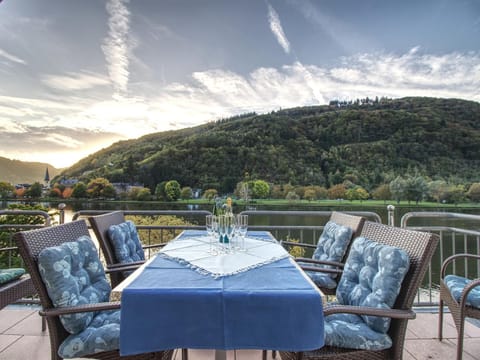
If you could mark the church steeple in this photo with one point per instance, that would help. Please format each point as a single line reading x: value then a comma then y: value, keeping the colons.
x: 47, y: 177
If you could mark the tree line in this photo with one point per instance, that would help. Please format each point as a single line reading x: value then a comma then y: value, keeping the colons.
x: 368, y: 145
x: 411, y: 188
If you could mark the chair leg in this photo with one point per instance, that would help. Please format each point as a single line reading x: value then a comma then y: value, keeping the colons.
x: 264, y: 354
x: 440, y: 321
x: 461, y: 330
x: 274, y: 354
x: 184, y: 354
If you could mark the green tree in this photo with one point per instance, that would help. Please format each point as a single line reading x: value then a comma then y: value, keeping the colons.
x: 292, y: 196
x: 436, y: 190
x: 474, y: 192
x: 309, y: 194
x: 397, y: 188
x: 320, y: 192
x: 350, y: 194
x: 260, y: 189
x: 186, y: 193
x: 6, y: 190
x: 415, y: 188
x: 210, y: 194
x: 144, y: 194
x: 456, y: 194
x: 133, y: 192
x: 361, y: 193
x: 35, y: 191
x: 80, y: 191
x: 172, y: 190
x: 382, y: 192
x: 160, y: 191
x: 100, y: 188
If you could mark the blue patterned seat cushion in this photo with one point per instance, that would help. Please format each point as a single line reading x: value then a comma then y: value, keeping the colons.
x: 456, y: 284
x: 74, y: 275
x: 7, y: 275
x: 331, y: 246
x: 372, y: 277
x: 350, y: 331
x: 125, y: 241
x: 102, y: 334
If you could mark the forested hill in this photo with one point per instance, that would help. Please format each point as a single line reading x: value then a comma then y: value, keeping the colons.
x: 368, y: 144
x: 16, y: 171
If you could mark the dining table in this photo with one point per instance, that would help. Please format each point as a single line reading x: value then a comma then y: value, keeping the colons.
x: 190, y: 297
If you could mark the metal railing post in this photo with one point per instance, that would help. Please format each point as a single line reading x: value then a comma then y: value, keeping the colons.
x: 61, y: 208
x: 391, y: 215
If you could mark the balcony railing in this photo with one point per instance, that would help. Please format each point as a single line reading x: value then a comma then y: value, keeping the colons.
x: 458, y: 232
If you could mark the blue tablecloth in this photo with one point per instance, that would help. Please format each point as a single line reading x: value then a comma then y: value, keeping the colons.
x: 169, y: 305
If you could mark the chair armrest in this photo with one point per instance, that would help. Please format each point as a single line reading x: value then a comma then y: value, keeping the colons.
x: 320, y: 262
x: 292, y: 243
x: 80, y: 308
x: 153, y: 246
x: 321, y: 270
x: 124, y: 266
x: 469, y: 287
x: 450, y: 259
x: 364, y: 310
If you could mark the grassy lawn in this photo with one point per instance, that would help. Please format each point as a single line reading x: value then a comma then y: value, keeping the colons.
x: 329, y: 203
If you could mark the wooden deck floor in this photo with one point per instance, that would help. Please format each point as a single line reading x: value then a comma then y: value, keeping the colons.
x: 21, y: 338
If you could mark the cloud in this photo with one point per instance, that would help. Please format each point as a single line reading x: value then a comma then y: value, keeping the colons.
x: 116, y: 46
x: 277, y: 29
x: 67, y: 124
x: 11, y: 57
x: 75, y: 81
x: 56, y: 145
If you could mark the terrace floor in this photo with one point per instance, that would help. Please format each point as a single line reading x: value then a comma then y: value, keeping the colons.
x: 21, y: 338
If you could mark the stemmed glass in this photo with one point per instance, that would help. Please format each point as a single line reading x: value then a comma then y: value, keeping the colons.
x: 230, y: 231
x: 211, y: 222
x: 221, y: 232
x: 242, y: 227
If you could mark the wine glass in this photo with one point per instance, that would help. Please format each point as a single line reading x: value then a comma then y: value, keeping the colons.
x: 229, y: 231
x: 242, y: 227
x: 222, y: 231
x: 211, y: 223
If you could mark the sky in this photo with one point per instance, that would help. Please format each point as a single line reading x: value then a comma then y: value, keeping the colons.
x: 76, y: 76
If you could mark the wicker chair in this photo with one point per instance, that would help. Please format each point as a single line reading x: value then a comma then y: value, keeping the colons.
x: 100, y: 225
x: 30, y: 244
x: 459, y: 303
x: 420, y: 247
x: 353, y: 222
x: 15, y: 290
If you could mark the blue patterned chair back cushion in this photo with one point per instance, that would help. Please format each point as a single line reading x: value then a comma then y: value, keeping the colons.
x: 331, y: 246
x: 74, y: 275
x: 372, y: 276
x: 7, y: 275
x: 456, y: 284
x: 333, y: 242
x: 125, y: 241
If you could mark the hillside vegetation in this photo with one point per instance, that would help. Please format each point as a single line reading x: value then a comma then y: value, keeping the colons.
x: 368, y: 144
x: 18, y: 172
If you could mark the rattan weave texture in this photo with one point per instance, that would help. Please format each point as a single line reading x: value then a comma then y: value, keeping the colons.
x: 30, y: 244
x: 420, y: 247
x: 351, y: 221
x: 459, y: 309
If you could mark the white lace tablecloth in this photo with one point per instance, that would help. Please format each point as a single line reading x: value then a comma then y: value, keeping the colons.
x: 194, y: 252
